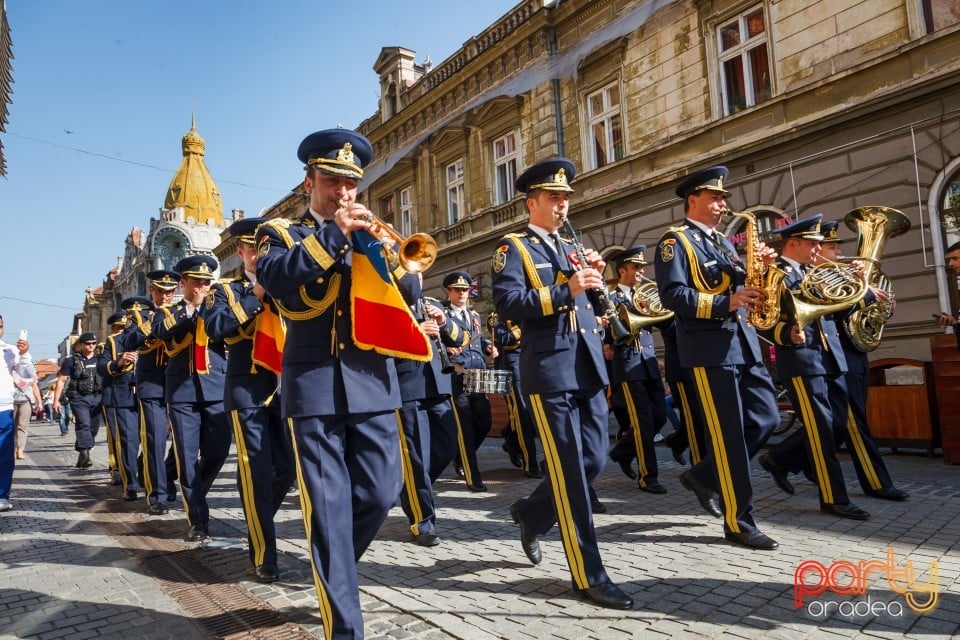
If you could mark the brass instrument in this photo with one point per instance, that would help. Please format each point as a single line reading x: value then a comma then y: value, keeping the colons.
x: 827, y: 288
x: 446, y: 366
x: 649, y: 309
x: 874, y: 226
x: 619, y: 332
x: 769, y: 280
x: 417, y: 253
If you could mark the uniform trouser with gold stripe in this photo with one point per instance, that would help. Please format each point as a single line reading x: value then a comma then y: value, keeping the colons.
x: 521, y: 424
x: 125, y: 424
x: 692, y: 433
x: 445, y: 436
x: 740, y: 412
x: 113, y: 439
x: 348, y: 469
x: 640, y: 406
x: 871, y: 469
x: 201, y: 440
x: 153, y: 443
x: 820, y: 400
x: 473, y: 412
x: 416, y: 497
x: 573, y: 432
x: 265, y: 472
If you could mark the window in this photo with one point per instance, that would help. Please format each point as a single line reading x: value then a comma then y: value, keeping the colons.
x: 950, y: 222
x: 387, y: 208
x: 406, y: 212
x: 604, y: 126
x: 455, y: 210
x: 744, y: 61
x: 505, y: 166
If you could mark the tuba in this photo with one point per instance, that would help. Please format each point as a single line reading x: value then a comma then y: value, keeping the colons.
x: 827, y: 288
x: 767, y: 279
x: 649, y: 309
x: 874, y: 226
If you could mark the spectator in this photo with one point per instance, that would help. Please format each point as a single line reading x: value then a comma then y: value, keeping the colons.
x: 48, y: 404
x: 945, y: 319
x: 10, y: 360
x: 26, y: 397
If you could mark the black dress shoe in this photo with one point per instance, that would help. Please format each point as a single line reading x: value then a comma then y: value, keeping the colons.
x: 851, y: 511
x: 428, y: 539
x: 158, y: 509
x: 115, y: 480
x: 889, y: 493
x: 267, y: 573
x: 677, y: 452
x: 129, y: 496
x: 460, y: 472
x: 626, y: 465
x: 477, y: 487
x: 196, y: 534
x: 752, y: 539
x: 653, y: 487
x: 533, y: 473
x: 608, y: 595
x: 516, y: 458
x: 529, y: 540
x: 596, y: 506
x: 706, y: 497
x: 778, y: 472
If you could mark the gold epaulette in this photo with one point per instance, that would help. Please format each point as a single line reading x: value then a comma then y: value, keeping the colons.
x: 520, y: 234
x: 277, y: 223
x: 432, y: 301
x: 229, y: 280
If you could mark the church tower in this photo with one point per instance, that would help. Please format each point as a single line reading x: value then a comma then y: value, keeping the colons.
x: 192, y: 187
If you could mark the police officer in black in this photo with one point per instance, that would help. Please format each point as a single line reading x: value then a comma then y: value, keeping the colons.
x: 84, y: 390
x: 194, y: 390
x: 637, y: 394
x: 239, y: 313
x: 427, y: 416
x: 115, y: 366
x: 473, y: 409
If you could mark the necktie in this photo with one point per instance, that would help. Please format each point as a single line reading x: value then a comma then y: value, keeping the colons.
x: 557, y: 245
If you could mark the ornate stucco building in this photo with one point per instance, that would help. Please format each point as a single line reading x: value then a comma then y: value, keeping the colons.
x: 6, y: 77
x: 814, y: 107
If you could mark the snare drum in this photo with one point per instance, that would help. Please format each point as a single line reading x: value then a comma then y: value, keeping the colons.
x: 487, y: 381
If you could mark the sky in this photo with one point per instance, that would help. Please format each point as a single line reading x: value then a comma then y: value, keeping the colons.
x: 104, y: 90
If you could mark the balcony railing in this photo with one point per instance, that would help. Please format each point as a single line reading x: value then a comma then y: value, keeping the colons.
x: 482, y: 223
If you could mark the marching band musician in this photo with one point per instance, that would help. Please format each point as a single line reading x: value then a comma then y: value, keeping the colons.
x: 562, y: 374
x: 637, y: 395
x: 150, y: 381
x: 700, y: 278
x: 194, y: 380
x: 233, y: 312
x: 340, y: 401
x: 871, y: 470
x: 428, y: 417
x: 810, y: 361
x: 115, y: 367
x: 473, y: 409
x: 520, y: 436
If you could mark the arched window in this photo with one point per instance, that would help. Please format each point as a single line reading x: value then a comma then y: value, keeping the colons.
x: 769, y: 219
x: 950, y: 222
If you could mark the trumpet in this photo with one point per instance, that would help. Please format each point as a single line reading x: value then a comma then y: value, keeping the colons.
x: 416, y: 254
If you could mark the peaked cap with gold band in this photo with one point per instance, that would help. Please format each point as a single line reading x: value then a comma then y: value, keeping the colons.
x: 118, y: 318
x: 457, y: 280
x: 805, y: 229
x: 245, y: 229
x: 164, y: 279
x: 199, y: 266
x: 830, y: 231
x: 710, y: 179
x: 336, y: 152
x: 137, y: 303
x: 554, y: 174
x: 634, y: 255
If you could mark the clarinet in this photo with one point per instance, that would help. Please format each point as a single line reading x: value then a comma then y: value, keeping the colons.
x: 446, y: 366
x: 618, y: 331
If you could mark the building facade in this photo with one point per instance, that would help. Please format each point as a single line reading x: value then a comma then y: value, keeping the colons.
x: 814, y: 107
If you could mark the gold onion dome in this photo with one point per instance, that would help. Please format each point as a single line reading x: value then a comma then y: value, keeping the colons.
x: 192, y: 186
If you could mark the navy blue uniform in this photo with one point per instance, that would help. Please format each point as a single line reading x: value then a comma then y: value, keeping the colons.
x: 201, y: 434
x: 427, y: 415
x: 637, y: 396
x: 341, y: 402
x: 695, y: 279
x: 685, y: 399
x: 564, y: 379
x: 265, y: 466
x: 120, y: 410
x: 86, y: 403
x: 813, y: 374
x: 508, y: 340
x: 473, y: 409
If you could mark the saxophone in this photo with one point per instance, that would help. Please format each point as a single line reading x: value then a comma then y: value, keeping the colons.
x: 768, y: 279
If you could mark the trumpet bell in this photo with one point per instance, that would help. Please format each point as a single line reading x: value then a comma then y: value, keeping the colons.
x: 417, y: 253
